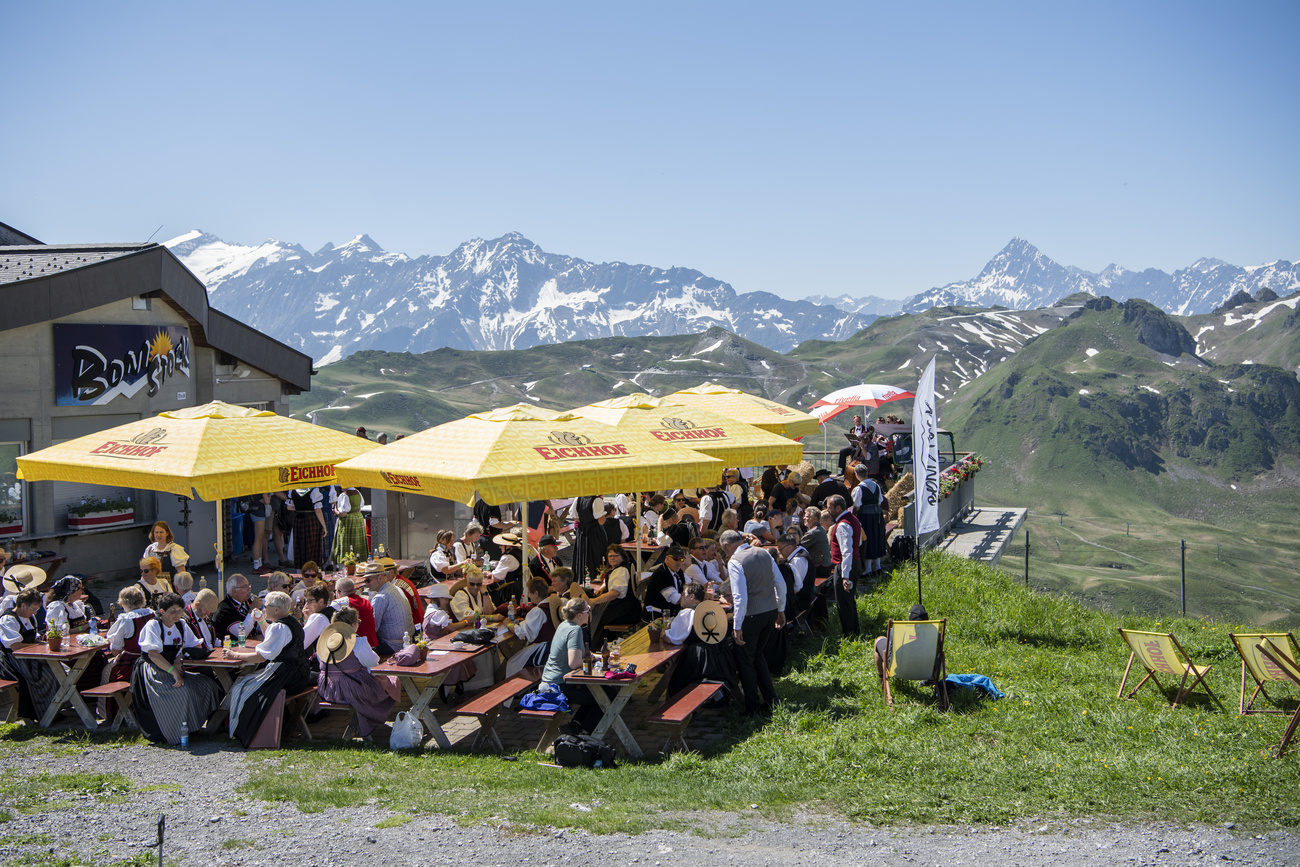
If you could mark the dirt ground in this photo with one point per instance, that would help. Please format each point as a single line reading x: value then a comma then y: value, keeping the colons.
x: 209, y: 824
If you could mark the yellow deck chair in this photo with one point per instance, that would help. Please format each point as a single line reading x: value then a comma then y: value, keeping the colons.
x: 1276, y: 654
x: 1160, y: 653
x: 1261, y: 668
x: 914, y: 651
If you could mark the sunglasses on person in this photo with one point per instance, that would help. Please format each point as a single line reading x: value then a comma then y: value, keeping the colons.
x: 474, y: 583
x: 311, y: 574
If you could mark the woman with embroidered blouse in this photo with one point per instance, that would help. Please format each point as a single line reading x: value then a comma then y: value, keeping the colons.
x: 163, y: 695
x: 172, y: 558
x: 64, y: 608
x: 19, y: 627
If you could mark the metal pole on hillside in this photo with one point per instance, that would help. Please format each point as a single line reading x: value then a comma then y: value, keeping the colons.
x: 1182, y: 557
x: 918, y: 569
x: 1026, y: 558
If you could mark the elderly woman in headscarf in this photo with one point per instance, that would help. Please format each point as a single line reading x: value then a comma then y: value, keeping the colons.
x: 164, y: 697
x: 19, y: 626
x: 287, y: 668
x: 64, y: 609
x: 345, y: 676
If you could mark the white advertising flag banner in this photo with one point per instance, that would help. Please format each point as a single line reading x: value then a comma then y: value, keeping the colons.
x: 925, y: 447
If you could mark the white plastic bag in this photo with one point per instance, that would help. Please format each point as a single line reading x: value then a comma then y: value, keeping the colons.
x: 407, y: 732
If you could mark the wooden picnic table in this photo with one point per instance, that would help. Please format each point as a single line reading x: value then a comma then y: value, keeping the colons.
x: 67, y: 666
x: 421, y: 683
x: 222, y: 669
x: 646, y: 663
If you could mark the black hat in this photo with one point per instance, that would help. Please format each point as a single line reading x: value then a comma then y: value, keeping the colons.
x: 821, y: 474
x: 918, y: 612
x: 548, y: 539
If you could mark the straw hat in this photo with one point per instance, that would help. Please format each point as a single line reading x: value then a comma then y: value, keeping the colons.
x: 371, y: 569
x: 23, y: 577
x: 335, y: 643
x: 386, y: 562
x: 509, y: 540
x: 710, y: 622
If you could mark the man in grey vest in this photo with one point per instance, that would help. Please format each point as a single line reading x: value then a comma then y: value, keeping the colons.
x: 758, y: 594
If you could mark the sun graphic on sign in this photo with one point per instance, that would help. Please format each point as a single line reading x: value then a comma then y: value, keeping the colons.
x: 161, y: 345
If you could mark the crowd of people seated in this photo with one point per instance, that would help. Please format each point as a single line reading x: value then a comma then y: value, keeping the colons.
x: 753, y: 547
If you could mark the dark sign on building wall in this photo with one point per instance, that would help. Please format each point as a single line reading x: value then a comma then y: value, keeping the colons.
x: 93, y: 364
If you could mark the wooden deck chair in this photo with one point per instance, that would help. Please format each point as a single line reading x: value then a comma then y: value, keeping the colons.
x: 914, y: 651
x: 1276, y: 654
x: 1160, y: 653
x: 577, y: 591
x: 1261, y: 668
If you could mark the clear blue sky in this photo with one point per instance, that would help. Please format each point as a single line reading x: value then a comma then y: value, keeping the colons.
x: 794, y: 148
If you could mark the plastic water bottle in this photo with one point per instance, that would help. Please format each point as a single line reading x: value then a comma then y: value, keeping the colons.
x: 185, y: 735
x: 92, y: 624
x: 406, y: 639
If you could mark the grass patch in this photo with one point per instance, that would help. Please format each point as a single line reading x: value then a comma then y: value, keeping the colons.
x: 1060, y: 746
x: 394, y: 821
x: 27, y: 840
x: 38, y: 792
x: 238, y: 844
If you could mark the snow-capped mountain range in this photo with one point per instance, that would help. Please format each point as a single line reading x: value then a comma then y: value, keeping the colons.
x: 506, y: 293
x: 1022, y: 278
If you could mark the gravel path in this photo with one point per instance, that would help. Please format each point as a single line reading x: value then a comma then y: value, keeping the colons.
x: 205, y: 827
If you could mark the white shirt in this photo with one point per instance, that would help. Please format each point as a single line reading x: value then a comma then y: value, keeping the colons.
x: 439, y: 562
x: 704, y: 572
x: 618, y: 581
x: 58, y: 614
x: 844, y: 534
x: 507, y: 564
x: 188, y: 597
x: 463, y: 604
x: 799, y: 566
x: 597, y: 507
x: 740, y: 592
x: 312, y: 629
x: 277, y: 638
x: 124, y: 627
x: 10, y: 626
x: 624, y: 504
x: 465, y: 552
x: 532, y: 624
x: 155, y: 636
x: 681, y: 627
x: 365, y: 654
x: 435, y: 620
x: 170, y: 554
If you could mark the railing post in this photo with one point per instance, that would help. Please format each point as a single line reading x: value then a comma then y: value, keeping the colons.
x: 1182, y: 557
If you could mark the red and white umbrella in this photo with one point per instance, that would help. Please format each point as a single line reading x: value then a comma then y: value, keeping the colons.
x: 855, y: 395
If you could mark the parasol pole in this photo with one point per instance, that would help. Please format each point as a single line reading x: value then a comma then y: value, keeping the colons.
x: 523, y: 514
x: 221, y: 569
x: 637, y: 580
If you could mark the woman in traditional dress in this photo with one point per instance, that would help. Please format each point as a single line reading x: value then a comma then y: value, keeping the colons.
x: 345, y: 676
x: 350, y: 531
x: 308, y: 525
x: 867, y: 500
x: 615, y: 591
x: 467, y: 548
x: 152, y: 585
x: 163, y: 696
x: 438, y: 622
x: 171, y: 557
x: 317, y: 611
x: 252, y: 696
x: 535, y: 630
x: 124, y: 634
x: 19, y: 626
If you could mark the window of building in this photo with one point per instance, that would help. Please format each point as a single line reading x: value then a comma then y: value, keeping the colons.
x: 12, y: 513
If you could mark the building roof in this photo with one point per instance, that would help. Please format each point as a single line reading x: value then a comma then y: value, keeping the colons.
x: 10, y: 235
x: 28, y: 261
x: 41, y: 283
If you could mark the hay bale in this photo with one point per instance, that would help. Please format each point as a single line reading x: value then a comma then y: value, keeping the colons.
x: 805, y: 469
x: 898, y: 495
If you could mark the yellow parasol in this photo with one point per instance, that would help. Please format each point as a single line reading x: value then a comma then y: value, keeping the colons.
x: 521, y: 453
x: 214, y: 451
x: 737, y: 444
x: 758, y: 411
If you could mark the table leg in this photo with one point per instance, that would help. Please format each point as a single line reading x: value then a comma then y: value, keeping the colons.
x: 662, y: 686
x: 613, y: 717
x: 420, y: 701
x: 67, y: 691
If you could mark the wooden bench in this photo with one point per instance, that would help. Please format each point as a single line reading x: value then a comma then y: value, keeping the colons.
x: 332, y: 707
x: 486, y: 706
x: 295, y: 709
x: 119, y: 691
x: 554, y: 719
x: 10, y: 690
x: 678, y: 710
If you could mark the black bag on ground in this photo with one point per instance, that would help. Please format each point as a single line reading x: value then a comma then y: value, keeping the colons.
x: 581, y: 751
x: 901, y: 549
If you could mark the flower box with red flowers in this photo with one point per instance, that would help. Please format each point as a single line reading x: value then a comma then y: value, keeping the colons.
x: 11, y: 523
x: 101, y: 515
